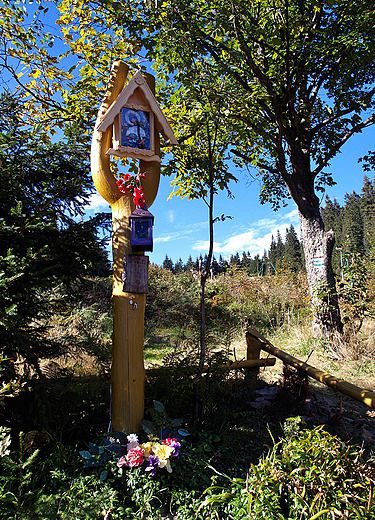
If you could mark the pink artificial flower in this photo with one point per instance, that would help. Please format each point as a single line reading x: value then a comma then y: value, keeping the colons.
x: 131, y: 445
x: 121, y: 462
x: 135, y: 457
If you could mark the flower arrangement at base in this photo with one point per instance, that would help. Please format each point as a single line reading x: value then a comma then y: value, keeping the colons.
x: 153, y: 454
x: 120, y: 451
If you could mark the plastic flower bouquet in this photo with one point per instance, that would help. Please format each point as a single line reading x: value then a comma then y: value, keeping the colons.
x: 133, y: 183
x: 153, y: 454
x: 157, y: 453
x: 123, y: 451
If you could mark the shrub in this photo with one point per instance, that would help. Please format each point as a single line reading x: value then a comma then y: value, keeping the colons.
x: 310, y: 474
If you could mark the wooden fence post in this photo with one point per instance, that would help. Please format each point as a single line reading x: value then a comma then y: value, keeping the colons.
x: 253, y: 352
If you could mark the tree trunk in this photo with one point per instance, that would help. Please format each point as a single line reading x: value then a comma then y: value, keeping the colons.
x: 317, y: 242
x: 318, y: 245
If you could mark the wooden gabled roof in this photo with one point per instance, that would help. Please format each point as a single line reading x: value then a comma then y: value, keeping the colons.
x: 138, y: 82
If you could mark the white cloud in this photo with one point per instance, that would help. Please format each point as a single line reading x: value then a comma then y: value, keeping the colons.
x: 265, y: 223
x: 196, y: 227
x: 183, y: 233
x: 292, y: 215
x: 255, y: 239
x: 96, y: 202
x: 167, y: 238
x: 170, y: 216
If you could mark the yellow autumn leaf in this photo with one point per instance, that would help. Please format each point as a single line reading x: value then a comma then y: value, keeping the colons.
x: 35, y: 73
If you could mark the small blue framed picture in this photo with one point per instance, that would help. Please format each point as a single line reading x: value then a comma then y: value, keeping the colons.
x: 135, y: 128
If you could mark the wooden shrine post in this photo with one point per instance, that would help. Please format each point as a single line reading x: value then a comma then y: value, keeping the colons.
x: 128, y: 373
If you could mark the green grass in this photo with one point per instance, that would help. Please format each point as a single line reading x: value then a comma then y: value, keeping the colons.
x: 156, y: 348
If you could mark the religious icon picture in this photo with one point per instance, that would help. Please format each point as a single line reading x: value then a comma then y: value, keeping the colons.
x: 142, y: 229
x: 135, y: 128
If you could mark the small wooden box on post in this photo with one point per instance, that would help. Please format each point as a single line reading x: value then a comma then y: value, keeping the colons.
x: 128, y: 125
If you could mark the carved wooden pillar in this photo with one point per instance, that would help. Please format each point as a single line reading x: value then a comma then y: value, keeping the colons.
x: 128, y: 374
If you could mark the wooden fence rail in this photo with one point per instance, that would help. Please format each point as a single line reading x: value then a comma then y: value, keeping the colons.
x: 256, y: 342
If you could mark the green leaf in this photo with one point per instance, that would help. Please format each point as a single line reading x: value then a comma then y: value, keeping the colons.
x: 85, y: 454
x: 147, y: 426
x: 103, y: 475
x: 183, y: 433
x: 175, y: 423
x: 159, y: 407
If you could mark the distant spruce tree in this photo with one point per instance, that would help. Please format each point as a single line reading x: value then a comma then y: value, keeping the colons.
x: 235, y: 261
x: 189, y: 266
x: 352, y: 222
x: 255, y: 265
x: 168, y: 264
x: 223, y: 264
x: 215, y: 266
x: 272, y: 252
x: 367, y: 204
x: 179, y: 266
x: 280, y: 247
x: 246, y: 261
x: 276, y: 252
x: 293, y: 249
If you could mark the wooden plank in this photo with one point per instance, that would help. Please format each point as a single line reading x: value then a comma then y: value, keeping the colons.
x: 135, y: 274
x: 246, y: 363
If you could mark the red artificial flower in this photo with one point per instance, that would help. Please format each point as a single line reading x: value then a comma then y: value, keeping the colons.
x: 174, y: 444
x: 127, y: 177
x: 169, y: 441
x: 135, y: 457
x: 139, y: 199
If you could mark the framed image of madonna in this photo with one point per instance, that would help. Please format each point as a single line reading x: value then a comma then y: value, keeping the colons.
x: 135, y: 129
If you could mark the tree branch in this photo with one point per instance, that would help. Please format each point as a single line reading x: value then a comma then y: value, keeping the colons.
x: 256, y: 128
x: 340, y: 114
x: 263, y: 78
x: 261, y: 165
x: 355, y: 130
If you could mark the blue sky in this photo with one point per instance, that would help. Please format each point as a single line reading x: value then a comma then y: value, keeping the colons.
x: 181, y: 226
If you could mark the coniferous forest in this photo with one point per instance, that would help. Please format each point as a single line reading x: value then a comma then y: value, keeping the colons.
x: 353, y: 225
